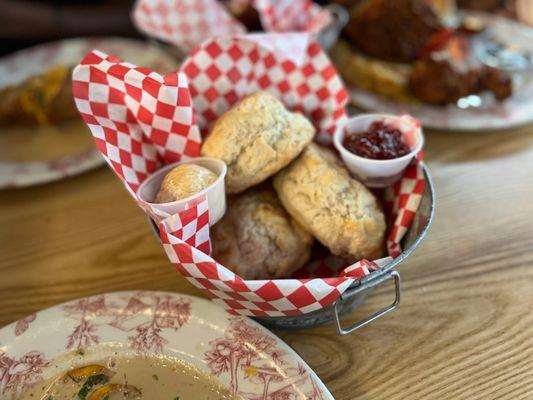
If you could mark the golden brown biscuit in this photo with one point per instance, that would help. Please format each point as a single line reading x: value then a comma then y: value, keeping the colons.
x: 257, y: 239
x: 256, y: 139
x: 319, y: 193
x: 184, y: 181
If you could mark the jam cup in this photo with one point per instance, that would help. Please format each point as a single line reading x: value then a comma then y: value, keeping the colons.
x: 215, y: 192
x: 379, y: 173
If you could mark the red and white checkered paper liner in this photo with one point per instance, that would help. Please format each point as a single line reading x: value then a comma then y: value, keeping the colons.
x: 290, y: 66
x: 142, y: 121
x: 292, y: 15
x: 187, y: 23
x: 139, y: 119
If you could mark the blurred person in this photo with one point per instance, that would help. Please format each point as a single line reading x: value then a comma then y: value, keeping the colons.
x: 524, y: 11
x: 25, y: 22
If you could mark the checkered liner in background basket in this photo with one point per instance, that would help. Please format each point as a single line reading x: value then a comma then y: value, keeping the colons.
x: 187, y: 23
x: 292, y: 15
x: 141, y: 121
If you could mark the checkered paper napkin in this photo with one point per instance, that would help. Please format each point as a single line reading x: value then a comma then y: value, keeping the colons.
x: 142, y: 121
x: 292, y: 15
x: 187, y: 23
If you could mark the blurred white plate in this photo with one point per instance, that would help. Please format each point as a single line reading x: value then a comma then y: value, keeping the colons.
x: 513, y: 112
x: 81, y: 155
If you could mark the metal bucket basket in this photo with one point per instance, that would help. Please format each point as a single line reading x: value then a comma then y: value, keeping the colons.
x: 356, y: 294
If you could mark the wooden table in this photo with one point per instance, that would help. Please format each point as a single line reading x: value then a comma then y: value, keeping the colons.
x: 464, y: 329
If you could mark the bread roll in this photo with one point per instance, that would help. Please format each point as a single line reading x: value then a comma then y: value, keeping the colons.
x: 257, y: 239
x: 319, y: 193
x: 184, y: 181
x: 256, y: 139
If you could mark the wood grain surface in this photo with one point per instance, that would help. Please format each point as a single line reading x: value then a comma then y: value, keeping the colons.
x: 464, y: 329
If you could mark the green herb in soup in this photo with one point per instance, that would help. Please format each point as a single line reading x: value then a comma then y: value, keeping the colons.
x: 90, y: 383
x: 131, y: 378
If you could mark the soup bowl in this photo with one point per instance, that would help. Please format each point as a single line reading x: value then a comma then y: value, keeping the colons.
x: 242, y: 357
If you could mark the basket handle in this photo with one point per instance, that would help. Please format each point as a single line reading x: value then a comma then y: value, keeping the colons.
x: 345, y: 331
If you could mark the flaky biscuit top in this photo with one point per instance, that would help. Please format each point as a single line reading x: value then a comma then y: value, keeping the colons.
x: 257, y: 138
x: 338, y: 210
x: 257, y: 239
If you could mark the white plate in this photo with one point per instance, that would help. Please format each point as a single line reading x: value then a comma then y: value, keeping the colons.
x: 513, y: 112
x: 21, y: 65
x: 155, y: 323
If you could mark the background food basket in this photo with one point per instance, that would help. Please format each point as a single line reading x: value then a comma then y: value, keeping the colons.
x: 186, y: 24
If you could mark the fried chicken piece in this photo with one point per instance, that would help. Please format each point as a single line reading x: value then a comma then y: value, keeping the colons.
x: 392, y: 30
x: 496, y: 81
x: 445, y: 75
x: 438, y: 82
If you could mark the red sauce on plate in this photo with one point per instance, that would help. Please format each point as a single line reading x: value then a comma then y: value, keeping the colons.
x: 379, y: 142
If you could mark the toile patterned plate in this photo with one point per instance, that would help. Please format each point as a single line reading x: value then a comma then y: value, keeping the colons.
x: 243, y: 355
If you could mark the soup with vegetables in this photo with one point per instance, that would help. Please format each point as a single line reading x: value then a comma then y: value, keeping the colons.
x: 134, y: 378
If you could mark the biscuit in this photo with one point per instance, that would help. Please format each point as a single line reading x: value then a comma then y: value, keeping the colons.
x: 319, y: 193
x: 257, y: 239
x: 256, y: 139
x: 183, y: 181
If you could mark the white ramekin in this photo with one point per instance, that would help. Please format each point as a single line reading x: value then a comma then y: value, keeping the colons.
x: 216, y: 193
x: 379, y: 173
